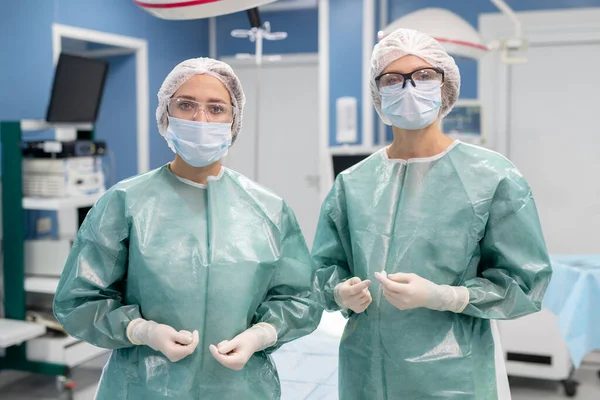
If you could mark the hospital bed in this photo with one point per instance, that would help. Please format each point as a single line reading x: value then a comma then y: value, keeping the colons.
x: 551, y: 344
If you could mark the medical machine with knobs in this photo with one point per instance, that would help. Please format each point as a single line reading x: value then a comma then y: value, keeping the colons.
x: 46, y: 355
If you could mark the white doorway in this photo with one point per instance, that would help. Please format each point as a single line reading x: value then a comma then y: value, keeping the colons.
x: 543, y: 116
x: 288, y: 148
x: 97, y: 44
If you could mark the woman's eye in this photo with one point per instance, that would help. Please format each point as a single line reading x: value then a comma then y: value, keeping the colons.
x: 216, y: 109
x: 391, y: 81
x: 185, y: 106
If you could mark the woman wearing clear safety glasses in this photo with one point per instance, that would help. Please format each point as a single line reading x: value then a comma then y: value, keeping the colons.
x: 448, y: 232
x: 192, y: 273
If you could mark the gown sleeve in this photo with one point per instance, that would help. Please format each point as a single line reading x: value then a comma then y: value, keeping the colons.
x: 514, y: 270
x: 331, y: 249
x: 89, y: 301
x: 291, y: 305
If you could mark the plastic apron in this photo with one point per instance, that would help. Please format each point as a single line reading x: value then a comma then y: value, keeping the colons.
x: 216, y: 259
x: 465, y: 217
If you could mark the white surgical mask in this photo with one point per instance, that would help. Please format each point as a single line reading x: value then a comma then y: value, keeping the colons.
x: 412, y: 108
x: 198, y: 143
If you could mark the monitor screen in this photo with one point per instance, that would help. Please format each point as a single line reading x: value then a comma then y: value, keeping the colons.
x: 464, y: 119
x: 77, y: 89
x: 342, y: 162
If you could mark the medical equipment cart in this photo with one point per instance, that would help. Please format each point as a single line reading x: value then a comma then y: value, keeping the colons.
x: 31, y: 351
x: 535, y: 351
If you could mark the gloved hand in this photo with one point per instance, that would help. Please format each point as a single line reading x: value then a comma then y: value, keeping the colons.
x: 174, y: 345
x: 235, y: 353
x: 353, y: 294
x: 406, y: 291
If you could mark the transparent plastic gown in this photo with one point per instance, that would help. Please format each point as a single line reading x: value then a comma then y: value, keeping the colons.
x: 465, y: 217
x: 216, y: 259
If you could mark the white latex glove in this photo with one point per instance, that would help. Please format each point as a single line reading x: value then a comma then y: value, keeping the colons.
x: 406, y: 291
x: 174, y: 345
x: 235, y: 353
x: 353, y: 294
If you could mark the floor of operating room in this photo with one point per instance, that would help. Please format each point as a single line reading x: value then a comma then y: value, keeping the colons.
x: 307, y: 368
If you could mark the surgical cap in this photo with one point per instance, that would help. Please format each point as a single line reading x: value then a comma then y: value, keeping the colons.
x: 199, y: 66
x: 403, y: 42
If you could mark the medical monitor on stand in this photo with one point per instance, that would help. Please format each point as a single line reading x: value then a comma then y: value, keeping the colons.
x: 77, y: 90
x: 342, y: 162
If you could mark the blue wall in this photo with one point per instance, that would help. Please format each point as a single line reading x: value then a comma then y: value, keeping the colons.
x: 25, y: 58
x: 345, y: 57
x: 346, y: 40
x: 117, y: 122
x: 26, y: 69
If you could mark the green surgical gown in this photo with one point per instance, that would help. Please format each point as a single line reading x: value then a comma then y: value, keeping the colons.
x: 216, y: 259
x: 465, y: 217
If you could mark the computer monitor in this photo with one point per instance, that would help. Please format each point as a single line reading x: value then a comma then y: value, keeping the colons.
x: 77, y: 89
x: 342, y: 162
x: 465, y: 122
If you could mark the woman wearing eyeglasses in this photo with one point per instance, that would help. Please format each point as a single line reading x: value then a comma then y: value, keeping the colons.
x: 192, y: 273
x: 448, y: 232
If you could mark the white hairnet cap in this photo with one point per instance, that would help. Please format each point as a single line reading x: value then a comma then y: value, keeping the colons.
x: 200, y: 66
x: 403, y: 42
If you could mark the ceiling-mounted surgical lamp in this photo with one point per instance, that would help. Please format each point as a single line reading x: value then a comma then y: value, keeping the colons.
x: 517, y: 42
x: 457, y: 36
x: 196, y: 9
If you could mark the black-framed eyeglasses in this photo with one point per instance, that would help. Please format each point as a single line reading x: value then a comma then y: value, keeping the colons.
x: 419, y: 75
